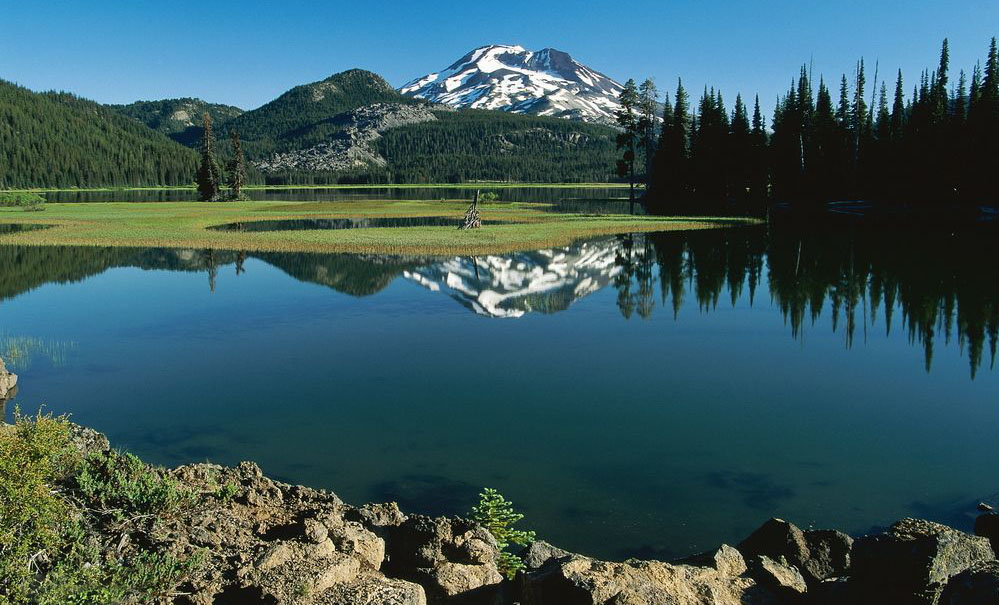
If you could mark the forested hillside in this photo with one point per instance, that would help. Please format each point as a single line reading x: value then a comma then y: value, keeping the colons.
x: 471, y: 144
x: 278, y: 125
x: 60, y: 140
x: 457, y: 146
x: 180, y: 119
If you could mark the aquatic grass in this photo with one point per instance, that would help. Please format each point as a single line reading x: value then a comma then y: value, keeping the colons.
x: 185, y: 225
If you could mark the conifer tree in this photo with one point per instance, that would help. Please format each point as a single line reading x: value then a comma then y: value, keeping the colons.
x: 760, y: 181
x: 898, y: 110
x: 208, y: 172
x: 647, y: 131
x: 627, y: 139
x: 237, y: 167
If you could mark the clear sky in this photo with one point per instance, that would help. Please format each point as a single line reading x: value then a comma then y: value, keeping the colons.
x: 246, y: 53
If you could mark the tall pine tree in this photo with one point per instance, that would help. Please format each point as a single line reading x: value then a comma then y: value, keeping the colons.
x: 209, y: 177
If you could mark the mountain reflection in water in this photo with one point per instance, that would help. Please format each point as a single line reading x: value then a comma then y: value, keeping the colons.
x: 932, y: 283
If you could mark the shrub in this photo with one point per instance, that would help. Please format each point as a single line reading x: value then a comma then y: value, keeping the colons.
x: 34, y: 454
x: 495, y: 513
x: 31, y: 202
x: 50, y: 551
x: 489, y: 196
x: 123, y: 485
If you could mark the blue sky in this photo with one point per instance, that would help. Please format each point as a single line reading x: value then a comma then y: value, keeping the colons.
x: 246, y: 53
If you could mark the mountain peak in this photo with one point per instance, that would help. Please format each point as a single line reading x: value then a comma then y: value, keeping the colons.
x: 511, y: 78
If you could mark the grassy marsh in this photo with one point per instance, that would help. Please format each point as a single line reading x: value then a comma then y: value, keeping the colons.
x: 185, y: 225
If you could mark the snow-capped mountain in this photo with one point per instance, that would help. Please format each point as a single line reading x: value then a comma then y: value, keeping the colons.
x: 547, y: 82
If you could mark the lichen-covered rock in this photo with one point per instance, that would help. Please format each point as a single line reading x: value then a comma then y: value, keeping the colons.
x: 817, y: 554
x: 8, y: 382
x: 447, y: 557
x: 987, y: 526
x: 973, y: 586
x: 782, y: 578
x: 913, y: 560
x: 828, y: 555
x: 725, y: 559
x: 373, y: 591
x: 540, y: 552
x: 775, y: 539
x: 578, y: 580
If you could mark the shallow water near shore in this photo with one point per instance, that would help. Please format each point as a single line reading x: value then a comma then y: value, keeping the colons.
x: 646, y: 395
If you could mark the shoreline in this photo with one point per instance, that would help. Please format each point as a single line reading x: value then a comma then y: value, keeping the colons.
x: 258, y: 540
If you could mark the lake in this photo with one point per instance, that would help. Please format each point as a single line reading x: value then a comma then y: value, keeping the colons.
x: 642, y: 395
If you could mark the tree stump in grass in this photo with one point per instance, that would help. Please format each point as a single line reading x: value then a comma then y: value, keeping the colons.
x: 472, y: 219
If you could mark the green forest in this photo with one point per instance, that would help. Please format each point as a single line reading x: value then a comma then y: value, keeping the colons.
x: 60, y: 140
x: 939, y: 144
x: 179, y: 119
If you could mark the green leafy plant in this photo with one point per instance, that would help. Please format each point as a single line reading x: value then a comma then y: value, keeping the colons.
x: 51, y: 550
x: 227, y: 492
x: 30, y: 202
x: 489, y: 196
x: 496, y: 513
x: 34, y: 453
x: 123, y: 485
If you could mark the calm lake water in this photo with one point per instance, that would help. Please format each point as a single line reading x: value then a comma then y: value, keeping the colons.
x: 635, y: 396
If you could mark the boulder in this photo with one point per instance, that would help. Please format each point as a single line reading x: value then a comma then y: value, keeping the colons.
x: 828, y: 555
x: 8, y: 382
x: 783, y: 579
x: 817, y: 554
x: 725, y: 559
x: 578, y: 580
x: 987, y: 526
x: 446, y: 556
x: 911, y: 562
x: 373, y: 591
x: 775, y: 539
x: 540, y: 552
x: 977, y: 584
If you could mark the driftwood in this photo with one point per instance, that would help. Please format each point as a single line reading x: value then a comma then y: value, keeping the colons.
x: 472, y: 219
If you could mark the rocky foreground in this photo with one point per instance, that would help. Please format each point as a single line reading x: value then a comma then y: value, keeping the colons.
x: 270, y: 542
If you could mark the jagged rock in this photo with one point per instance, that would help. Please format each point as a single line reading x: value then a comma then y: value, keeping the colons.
x: 829, y: 555
x: 315, y: 531
x: 976, y: 585
x: 446, y: 556
x: 817, y: 554
x: 779, y: 576
x: 725, y: 559
x: 373, y: 591
x: 87, y: 440
x: 540, y: 552
x: 351, y: 144
x: 987, y: 526
x: 378, y: 515
x: 912, y: 561
x: 577, y: 580
x: 352, y: 537
x: 8, y: 382
x: 775, y: 539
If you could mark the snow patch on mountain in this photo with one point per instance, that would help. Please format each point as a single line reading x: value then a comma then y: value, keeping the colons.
x: 547, y: 82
